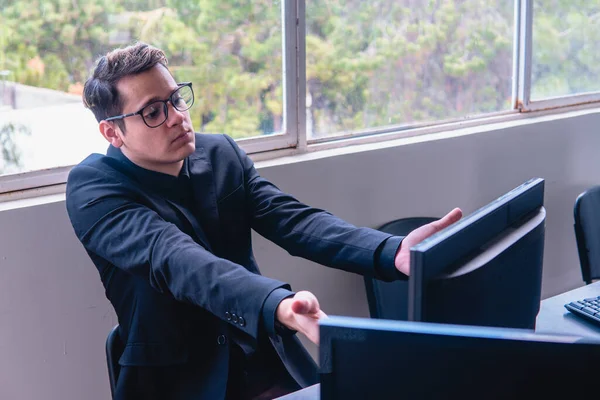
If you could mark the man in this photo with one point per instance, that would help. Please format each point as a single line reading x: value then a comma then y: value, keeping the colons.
x: 166, y: 218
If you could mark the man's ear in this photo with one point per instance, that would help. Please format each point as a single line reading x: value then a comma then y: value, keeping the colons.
x: 111, y: 132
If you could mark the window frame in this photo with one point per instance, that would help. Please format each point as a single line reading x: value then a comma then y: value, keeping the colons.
x: 524, y: 41
x: 294, y: 139
x: 291, y: 88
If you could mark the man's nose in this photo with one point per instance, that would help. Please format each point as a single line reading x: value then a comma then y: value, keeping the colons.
x: 175, y: 116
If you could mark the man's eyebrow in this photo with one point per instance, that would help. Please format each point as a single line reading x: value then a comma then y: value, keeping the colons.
x: 156, y: 98
x: 150, y: 100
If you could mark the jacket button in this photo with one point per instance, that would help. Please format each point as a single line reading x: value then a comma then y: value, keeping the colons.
x: 228, y: 316
x: 234, y: 318
x: 221, y: 339
x: 241, y: 321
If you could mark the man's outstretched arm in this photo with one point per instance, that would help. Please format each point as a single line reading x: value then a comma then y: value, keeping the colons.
x: 319, y: 236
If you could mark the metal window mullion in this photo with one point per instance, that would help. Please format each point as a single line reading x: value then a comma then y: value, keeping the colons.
x: 516, y: 53
x: 524, y: 31
x: 289, y: 15
x: 301, y: 74
x: 289, y: 137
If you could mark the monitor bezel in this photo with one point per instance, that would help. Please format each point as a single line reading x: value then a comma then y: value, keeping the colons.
x: 503, y: 212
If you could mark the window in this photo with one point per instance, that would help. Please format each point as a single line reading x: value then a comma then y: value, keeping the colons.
x: 230, y: 50
x: 46, y: 48
x: 566, y: 56
x: 278, y: 74
x: 378, y: 63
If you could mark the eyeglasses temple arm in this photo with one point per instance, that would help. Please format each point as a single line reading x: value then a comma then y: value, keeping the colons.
x: 122, y: 116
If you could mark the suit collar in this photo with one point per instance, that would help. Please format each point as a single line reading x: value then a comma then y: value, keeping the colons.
x: 158, y: 181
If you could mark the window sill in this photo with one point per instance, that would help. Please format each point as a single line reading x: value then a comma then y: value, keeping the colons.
x: 36, y: 187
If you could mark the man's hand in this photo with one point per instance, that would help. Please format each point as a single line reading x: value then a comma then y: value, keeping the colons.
x: 402, y: 260
x: 301, y: 313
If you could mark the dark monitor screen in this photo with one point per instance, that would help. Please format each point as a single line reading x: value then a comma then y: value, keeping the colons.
x: 363, y: 358
x: 486, y: 269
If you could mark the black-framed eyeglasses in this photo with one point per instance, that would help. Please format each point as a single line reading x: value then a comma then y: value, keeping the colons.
x: 156, y: 113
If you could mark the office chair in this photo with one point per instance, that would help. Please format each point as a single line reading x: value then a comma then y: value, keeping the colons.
x: 389, y: 300
x: 586, y: 213
x: 114, y: 349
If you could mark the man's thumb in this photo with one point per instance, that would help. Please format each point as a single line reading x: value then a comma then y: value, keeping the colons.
x: 301, y: 306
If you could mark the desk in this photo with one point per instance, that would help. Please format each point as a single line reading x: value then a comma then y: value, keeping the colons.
x: 552, y: 318
x: 555, y: 318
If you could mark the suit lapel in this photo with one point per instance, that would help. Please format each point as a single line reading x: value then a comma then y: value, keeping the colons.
x: 205, y: 197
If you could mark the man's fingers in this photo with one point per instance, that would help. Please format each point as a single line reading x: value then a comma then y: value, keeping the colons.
x: 312, y: 327
x: 447, y: 219
x: 305, y: 303
x: 300, y: 306
x: 307, y: 312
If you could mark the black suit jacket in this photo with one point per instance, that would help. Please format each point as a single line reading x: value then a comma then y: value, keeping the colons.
x: 175, y: 277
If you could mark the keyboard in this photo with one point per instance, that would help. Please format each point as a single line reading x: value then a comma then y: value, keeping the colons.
x: 586, y: 308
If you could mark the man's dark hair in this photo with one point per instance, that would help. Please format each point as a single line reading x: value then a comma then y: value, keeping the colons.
x: 100, y: 92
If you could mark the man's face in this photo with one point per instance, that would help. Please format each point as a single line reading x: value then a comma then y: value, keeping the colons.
x: 162, y: 148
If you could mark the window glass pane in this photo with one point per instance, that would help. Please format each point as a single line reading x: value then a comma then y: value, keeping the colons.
x: 230, y: 50
x: 566, y: 48
x: 396, y: 62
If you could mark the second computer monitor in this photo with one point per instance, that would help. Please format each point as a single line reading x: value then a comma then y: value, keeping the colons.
x: 487, y: 268
x: 363, y: 358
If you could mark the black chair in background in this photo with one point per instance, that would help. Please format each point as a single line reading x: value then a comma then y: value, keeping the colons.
x: 114, y: 349
x: 389, y: 300
x: 587, y: 233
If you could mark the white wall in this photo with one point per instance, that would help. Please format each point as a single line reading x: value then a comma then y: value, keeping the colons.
x: 54, y: 314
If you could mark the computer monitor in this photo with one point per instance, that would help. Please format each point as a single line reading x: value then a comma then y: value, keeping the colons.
x: 362, y: 358
x: 486, y: 269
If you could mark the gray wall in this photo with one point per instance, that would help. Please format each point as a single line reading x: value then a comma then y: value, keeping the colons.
x: 54, y: 314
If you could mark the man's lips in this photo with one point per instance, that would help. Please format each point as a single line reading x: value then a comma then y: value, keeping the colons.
x: 181, y: 136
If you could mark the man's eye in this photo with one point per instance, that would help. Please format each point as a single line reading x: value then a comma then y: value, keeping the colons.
x: 151, y: 112
x: 178, y: 101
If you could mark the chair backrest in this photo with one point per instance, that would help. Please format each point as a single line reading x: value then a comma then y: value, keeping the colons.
x: 586, y: 214
x: 389, y: 300
x: 114, y: 349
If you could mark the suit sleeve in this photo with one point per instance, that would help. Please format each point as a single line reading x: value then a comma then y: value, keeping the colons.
x: 112, y: 224
x: 312, y: 233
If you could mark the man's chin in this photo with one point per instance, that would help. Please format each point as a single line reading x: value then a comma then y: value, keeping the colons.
x: 184, y: 149
x: 189, y: 148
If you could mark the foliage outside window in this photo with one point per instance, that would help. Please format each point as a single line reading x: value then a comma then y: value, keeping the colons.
x: 388, y: 62
x: 566, y: 48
